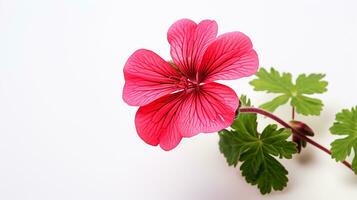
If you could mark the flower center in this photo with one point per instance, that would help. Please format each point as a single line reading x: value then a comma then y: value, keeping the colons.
x: 184, y: 83
x: 187, y: 84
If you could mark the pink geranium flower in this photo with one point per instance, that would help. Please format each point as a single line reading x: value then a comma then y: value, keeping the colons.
x: 179, y: 98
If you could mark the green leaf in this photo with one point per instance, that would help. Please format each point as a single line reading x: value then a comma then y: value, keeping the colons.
x: 270, y: 175
x: 306, y: 105
x: 245, y: 101
x: 246, y: 122
x: 281, y: 83
x: 272, y: 82
x: 257, y: 152
x: 346, y: 124
x: 311, y: 84
x: 275, y: 103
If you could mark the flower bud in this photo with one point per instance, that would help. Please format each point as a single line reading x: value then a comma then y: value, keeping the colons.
x: 303, y: 129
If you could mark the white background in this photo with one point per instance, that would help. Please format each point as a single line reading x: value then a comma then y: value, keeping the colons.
x: 65, y: 132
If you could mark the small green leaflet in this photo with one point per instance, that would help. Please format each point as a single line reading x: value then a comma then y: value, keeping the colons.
x: 245, y: 101
x: 281, y: 83
x: 346, y: 124
x: 257, y: 152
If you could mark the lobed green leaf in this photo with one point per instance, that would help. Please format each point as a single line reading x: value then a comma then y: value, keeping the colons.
x: 346, y: 124
x: 281, y: 83
x: 257, y: 152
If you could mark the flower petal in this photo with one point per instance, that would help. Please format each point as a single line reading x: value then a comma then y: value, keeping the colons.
x: 185, y: 114
x: 147, y: 77
x: 230, y: 56
x: 157, y: 122
x: 188, y: 43
x: 208, y: 110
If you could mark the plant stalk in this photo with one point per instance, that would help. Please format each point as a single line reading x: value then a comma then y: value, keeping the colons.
x: 293, y: 113
x: 295, y: 132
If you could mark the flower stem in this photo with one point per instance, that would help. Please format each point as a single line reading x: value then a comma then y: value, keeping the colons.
x: 293, y: 113
x: 295, y: 131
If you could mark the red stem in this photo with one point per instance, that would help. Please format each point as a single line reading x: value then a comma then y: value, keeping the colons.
x: 286, y: 125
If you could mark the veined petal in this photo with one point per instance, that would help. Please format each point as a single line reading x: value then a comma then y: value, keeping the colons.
x: 188, y: 42
x: 147, y: 77
x: 209, y: 108
x: 230, y: 56
x: 157, y: 122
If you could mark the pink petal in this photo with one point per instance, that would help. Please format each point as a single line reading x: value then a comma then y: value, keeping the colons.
x: 165, y: 121
x: 188, y: 43
x: 208, y: 110
x: 157, y: 122
x: 230, y: 56
x: 147, y: 77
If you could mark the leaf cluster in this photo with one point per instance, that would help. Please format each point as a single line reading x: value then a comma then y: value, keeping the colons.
x: 257, y: 152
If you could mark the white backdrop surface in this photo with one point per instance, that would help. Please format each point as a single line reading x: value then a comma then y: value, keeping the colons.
x: 65, y: 132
